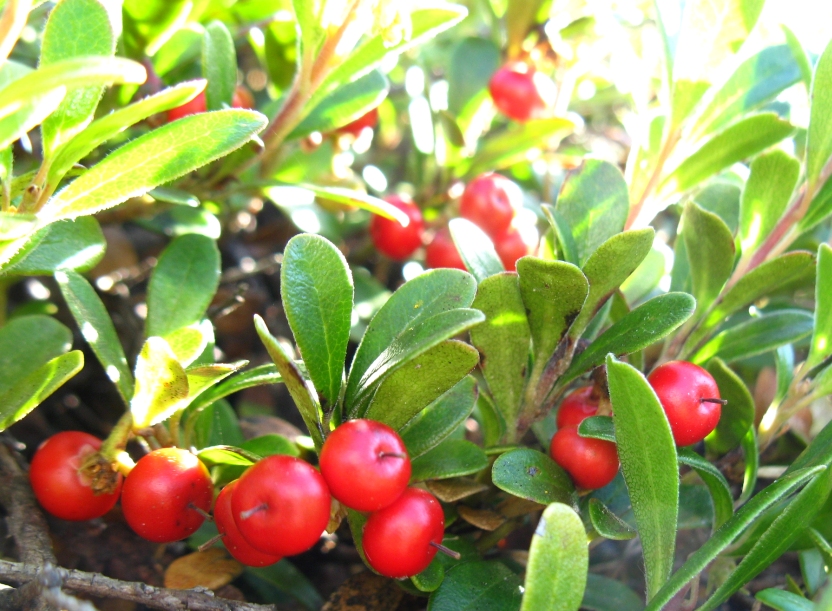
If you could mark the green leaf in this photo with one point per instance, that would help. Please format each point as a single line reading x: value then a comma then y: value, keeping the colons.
x: 16, y: 225
x: 478, y: 585
x: 203, y: 377
x: 597, y: 427
x: 309, y: 20
x: 819, y: 209
x: 421, y: 381
x: 29, y: 390
x: 431, y: 293
x: 733, y: 528
x: 219, y: 65
x: 227, y: 455
x: 646, y: 324
x: 65, y: 245
x: 595, y: 202
x: 153, y: 159
x: 304, y: 396
x: 648, y: 464
x: 513, y: 145
x: 766, y: 194
x: 723, y: 199
x: 182, y: 285
x: 716, y: 483
x: 821, y: 346
x: 737, y: 415
x: 740, y: 140
x: 751, y: 452
x: 609, y: 266
x: 531, y: 475
x: 558, y: 562
x: 285, y: 577
x: 286, y: 196
x: 604, y: 594
x: 553, y: 293
x: 256, y: 376
x: 819, y: 137
x: 188, y: 343
x: 161, y: 383
x: 800, y: 57
x: 108, y: 126
x: 439, y: 419
x: 271, y: 444
x: 607, y: 524
x: 345, y: 104
x: 710, y: 248
x: 30, y: 113
x: 317, y: 291
x: 215, y: 425
x: 563, y: 232
x: 475, y: 248
x: 97, y: 328
x: 503, y: 341
x: 149, y: 23
x: 783, y: 600
x: 26, y: 343
x: 472, y: 64
x: 75, y: 28
x: 757, y: 336
x: 431, y: 578
x: 451, y: 458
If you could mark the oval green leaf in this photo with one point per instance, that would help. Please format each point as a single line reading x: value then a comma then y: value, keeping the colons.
x: 451, y: 458
x: 531, y: 475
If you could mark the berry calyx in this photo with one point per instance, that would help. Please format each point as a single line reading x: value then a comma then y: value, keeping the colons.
x: 576, y: 407
x: 442, y: 252
x: 365, y: 464
x: 521, y: 93
x: 281, y: 505
x: 367, y: 120
x: 510, y: 246
x: 690, y: 399
x: 401, y: 539
x: 192, y: 107
x: 390, y: 237
x: 233, y: 540
x: 167, y: 495
x: 490, y: 201
x: 592, y: 463
x: 60, y: 484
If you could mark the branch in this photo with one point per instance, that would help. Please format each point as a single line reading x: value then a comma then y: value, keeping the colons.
x: 95, y: 584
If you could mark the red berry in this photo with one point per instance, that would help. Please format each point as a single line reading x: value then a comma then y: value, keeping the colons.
x: 576, y: 407
x: 234, y: 542
x: 281, y: 505
x: 442, y: 252
x: 490, y: 201
x: 369, y: 119
x: 166, y: 494
x: 510, y: 246
x: 365, y: 464
x: 521, y: 93
x: 592, y: 463
x: 58, y: 484
x: 397, y: 539
x: 683, y: 390
x: 242, y: 98
x: 195, y: 106
x: 393, y: 240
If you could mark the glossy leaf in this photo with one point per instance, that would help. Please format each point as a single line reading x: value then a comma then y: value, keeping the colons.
x: 643, y: 326
x: 751, y: 452
x: 819, y: 138
x: 26, y: 343
x: 782, y: 600
x: 534, y: 476
x: 451, y: 458
x: 431, y: 578
x: 29, y: 114
x: 439, y: 419
x: 161, y: 383
x: 607, y: 524
x: 821, y: 346
x: 737, y: 415
x: 219, y: 65
x: 256, y: 376
x: 188, y: 343
x: 97, y: 328
x: 66, y: 245
x: 716, y: 483
x: 271, y: 444
x: 594, y: 201
x: 16, y: 225
x: 286, y: 196
x: 182, y: 285
x: 563, y: 232
x: 421, y: 381
x: 153, y: 159
x: 215, y: 425
x: 475, y: 248
x: 605, y: 594
x: 286, y: 578
x: 503, y: 341
x: 558, y: 562
x: 317, y: 293
x: 648, y: 463
x: 29, y: 391
x: 478, y: 585
x: 597, y: 427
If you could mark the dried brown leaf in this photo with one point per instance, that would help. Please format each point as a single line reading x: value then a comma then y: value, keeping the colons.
x: 211, y: 569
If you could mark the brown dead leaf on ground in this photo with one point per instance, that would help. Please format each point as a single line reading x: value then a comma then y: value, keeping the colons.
x: 211, y: 569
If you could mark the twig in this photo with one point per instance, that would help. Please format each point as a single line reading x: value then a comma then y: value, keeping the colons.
x: 94, y: 584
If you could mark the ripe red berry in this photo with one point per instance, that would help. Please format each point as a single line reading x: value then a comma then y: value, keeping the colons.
x: 393, y: 240
x: 281, y: 505
x: 166, y: 495
x: 368, y: 119
x: 521, y: 93
x: 690, y: 399
x: 60, y: 487
x: 195, y: 106
x: 398, y: 539
x: 490, y: 201
x: 592, y: 463
x: 510, y: 246
x: 442, y: 252
x: 365, y: 464
x: 233, y: 540
x: 576, y: 407
x: 242, y: 98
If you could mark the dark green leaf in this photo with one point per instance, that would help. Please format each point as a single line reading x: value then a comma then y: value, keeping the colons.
x: 784, y: 601
x: 645, y: 325
x: 451, y: 458
x: 604, y: 594
x: 648, y: 463
x: 216, y: 425
x: 473, y: 62
x: 65, y: 245
x: 271, y: 444
x: 431, y: 578
x: 563, y: 232
x: 182, y: 285
x: 597, y: 427
x: 475, y: 248
x: 478, y: 585
x: 821, y: 346
x: 317, y: 290
x: 286, y: 578
x: 26, y: 343
x: 179, y: 220
x: 819, y: 209
x: 219, y: 65
x: 723, y: 199
x: 716, y: 483
x: 558, y: 562
x: 533, y: 476
x: 607, y: 524
x: 819, y: 138
x: 491, y: 420
x: 161, y: 383
x: 752, y: 463
x: 737, y: 415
